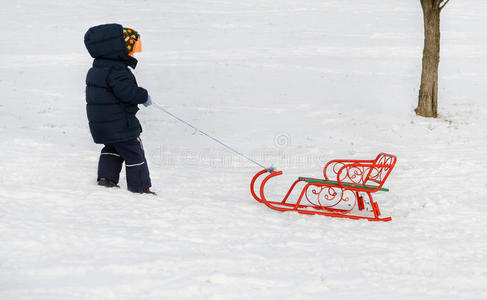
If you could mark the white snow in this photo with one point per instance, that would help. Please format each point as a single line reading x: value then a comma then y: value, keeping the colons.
x: 290, y: 83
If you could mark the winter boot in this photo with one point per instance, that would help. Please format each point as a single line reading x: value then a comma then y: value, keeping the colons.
x: 107, y: 183
x: 142, y: 191
x: 148, y: 191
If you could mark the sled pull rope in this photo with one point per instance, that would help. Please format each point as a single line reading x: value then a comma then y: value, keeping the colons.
x: 270, y: 169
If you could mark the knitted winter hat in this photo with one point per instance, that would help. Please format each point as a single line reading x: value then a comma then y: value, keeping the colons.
x: 132, y: 40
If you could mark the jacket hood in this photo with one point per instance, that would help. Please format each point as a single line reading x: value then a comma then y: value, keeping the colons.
x: 106, y: 42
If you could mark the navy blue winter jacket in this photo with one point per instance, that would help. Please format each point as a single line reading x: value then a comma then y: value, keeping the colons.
x: 112, y: 93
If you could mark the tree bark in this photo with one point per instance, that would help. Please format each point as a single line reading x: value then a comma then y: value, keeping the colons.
x: 428, y: 91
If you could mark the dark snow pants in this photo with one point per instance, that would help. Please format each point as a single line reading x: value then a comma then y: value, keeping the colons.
x: 110, y: 164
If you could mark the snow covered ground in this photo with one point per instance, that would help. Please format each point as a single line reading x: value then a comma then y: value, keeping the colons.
x: 290, y: 83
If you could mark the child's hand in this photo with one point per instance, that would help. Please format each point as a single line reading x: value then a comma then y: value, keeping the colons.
x: 148, y: 102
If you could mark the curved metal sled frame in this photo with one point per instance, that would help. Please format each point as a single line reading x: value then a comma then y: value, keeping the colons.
x: 340, y: 198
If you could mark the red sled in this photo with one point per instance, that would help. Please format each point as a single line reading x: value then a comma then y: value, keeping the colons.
x: 345, y: 192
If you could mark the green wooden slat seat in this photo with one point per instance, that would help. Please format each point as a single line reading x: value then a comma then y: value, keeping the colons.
x: 315, y: 180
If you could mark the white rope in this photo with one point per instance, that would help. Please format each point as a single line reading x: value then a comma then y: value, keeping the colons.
x: 270, y: 169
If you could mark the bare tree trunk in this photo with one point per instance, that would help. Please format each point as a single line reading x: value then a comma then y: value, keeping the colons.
x: 428, y: 91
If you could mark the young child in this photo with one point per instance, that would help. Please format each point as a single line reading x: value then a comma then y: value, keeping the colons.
x: 112, y: 96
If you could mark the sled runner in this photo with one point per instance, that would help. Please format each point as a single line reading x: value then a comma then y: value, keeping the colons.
x: 345, y: 192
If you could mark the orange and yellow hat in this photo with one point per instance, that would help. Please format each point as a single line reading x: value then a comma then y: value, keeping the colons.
x: 132, y: 41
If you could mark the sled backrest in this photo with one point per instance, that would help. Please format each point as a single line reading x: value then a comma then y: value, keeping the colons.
x: 361, y: 172
x: 380, y: 170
